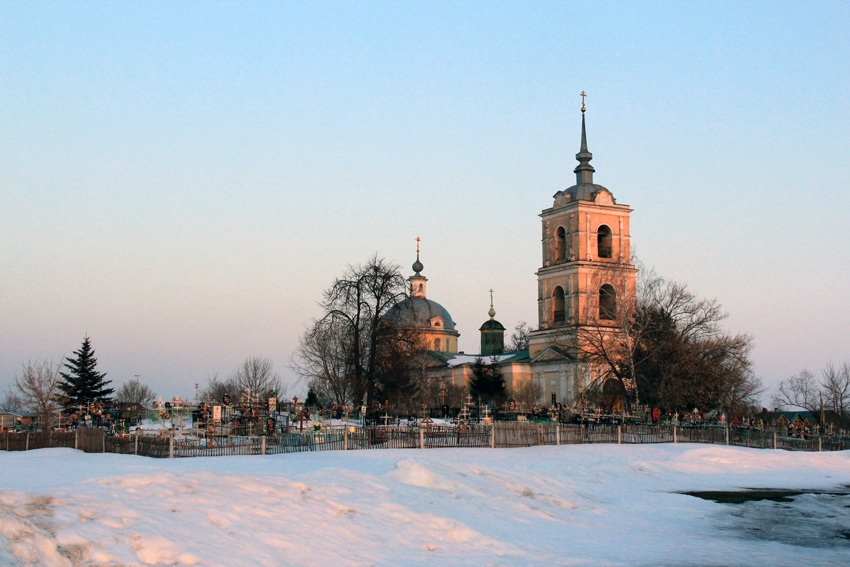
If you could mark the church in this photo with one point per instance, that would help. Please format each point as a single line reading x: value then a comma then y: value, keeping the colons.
x: 586, y: 273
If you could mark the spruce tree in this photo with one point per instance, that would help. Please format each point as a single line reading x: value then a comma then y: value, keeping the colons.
x: 312, y: 400
x: 487, y: 381
x: 83, y: 384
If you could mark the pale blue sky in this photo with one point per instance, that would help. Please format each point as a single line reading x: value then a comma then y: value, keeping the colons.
x: 181, y: 181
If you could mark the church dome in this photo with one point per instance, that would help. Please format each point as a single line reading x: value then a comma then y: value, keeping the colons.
x: 583, y: 191
x: 419, y: 313
x: 492, y: 325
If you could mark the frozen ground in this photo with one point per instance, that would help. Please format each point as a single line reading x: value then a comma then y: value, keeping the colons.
x: 569, y: 505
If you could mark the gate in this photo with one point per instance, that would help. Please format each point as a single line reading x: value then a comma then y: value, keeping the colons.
x: 91, y: 439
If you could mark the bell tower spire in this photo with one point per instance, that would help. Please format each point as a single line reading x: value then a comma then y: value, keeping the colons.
x: 584, y: 171
x: 586, y: 272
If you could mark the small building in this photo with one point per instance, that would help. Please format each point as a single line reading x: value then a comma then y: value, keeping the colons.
x: 785, y: 420
x: 456, y: 368
x: 9, y: 420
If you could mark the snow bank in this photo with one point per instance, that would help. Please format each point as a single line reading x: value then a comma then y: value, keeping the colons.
x: 569, y: 505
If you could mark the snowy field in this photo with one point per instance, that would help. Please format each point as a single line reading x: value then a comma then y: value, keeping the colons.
x: 568, y: 505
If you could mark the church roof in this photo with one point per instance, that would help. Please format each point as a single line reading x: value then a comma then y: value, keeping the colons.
x: 417, y: 313
x: 582, y: 191
x: 457, y: 359
x: 492, y: 325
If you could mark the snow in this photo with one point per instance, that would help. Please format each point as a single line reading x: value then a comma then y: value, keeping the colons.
x: 471, y: 359
x: 567, y: 505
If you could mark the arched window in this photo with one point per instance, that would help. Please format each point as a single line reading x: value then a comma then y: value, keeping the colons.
x: 558, y: 313
x: 560, y: 244
x: 603, y: 241
x: 607, y: 302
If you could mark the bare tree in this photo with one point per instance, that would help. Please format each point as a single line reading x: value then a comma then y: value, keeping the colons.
x: 323, y: 360
x: 257, y: 380
x: 526, y: 394
x: 664, y: 345
x: 354, y: 341
x: 519, y: 338
x: 456, y: 395
x: 836, y: 387
x: 800, y: 391
x: 10, y: 401
x: 685, y: 358
x: 803, y: 390
x: 134, y: 392
x: 610, y: 335
x: 216, y: 389
x: 38, y: 388
x: 741, y: 392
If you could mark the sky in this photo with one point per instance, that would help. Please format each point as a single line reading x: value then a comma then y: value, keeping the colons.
x: 181, y: 181
x: 577, y: 505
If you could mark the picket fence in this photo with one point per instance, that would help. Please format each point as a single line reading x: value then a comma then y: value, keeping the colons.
x: 498, y: 435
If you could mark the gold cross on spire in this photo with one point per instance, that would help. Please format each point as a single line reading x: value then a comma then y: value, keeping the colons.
x: 492, y: 312
x: 582, y: 102
x: 417, y: 244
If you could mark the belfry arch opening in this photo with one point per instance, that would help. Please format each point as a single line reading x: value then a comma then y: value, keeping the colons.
x: 604, y: 241
x: 559, y: 315
x: 560, y: 244
x: 607, y: 302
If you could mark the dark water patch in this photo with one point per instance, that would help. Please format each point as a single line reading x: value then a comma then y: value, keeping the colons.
x: 757, y: 494
x: 808, y: 518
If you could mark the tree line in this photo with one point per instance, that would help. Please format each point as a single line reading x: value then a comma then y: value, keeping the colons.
x: 829, y: 393
x: 77, y: 387
x: 663, y: 347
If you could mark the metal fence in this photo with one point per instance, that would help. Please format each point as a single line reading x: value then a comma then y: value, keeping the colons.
x: 498, y: 435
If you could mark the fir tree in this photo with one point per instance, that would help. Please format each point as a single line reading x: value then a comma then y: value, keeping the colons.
x: 83, y: 384
x: 487, y: 381
x: 312, y: 400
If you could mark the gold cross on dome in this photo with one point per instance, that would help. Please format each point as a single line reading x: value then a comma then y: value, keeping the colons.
x: 417, y: 244
x: 582, y: 101
x: 491, y: 298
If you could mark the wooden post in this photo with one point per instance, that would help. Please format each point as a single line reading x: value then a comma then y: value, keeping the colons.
x: 558, y: 434
x: 28, y: 442
x: 263, y: 445
x: 675, y: 438
x: 76, y: 438
x: 421, y: 437
x: 345, y: 438
x: 493, y: 436
x: 727, y: 434
x: 774, y: 439
x: 104, y: 440
x: 171, y: 446
x: 619, y: 435
x: 820, y: 443
x: 136, y: 443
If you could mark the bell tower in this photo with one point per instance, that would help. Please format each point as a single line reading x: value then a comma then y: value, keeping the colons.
x: 587, y: 272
